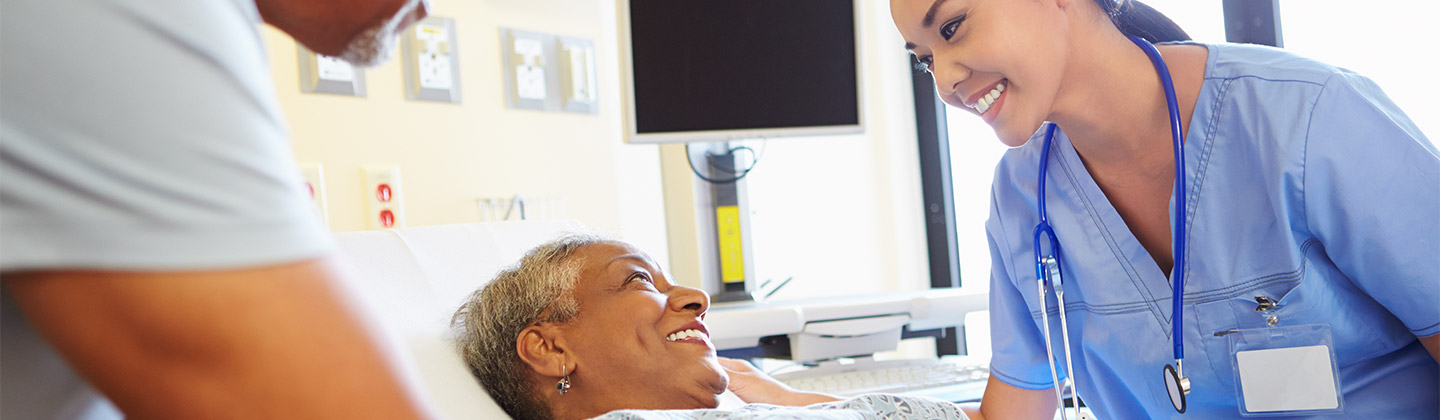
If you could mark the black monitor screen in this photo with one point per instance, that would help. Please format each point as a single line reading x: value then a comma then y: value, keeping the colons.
x: 701, y: 65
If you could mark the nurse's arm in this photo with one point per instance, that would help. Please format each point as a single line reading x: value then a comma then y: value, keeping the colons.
x: 1432, y: 343
x: 1003, y: 401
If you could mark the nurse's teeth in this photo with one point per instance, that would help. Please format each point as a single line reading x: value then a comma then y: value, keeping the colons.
x: 984, y: 103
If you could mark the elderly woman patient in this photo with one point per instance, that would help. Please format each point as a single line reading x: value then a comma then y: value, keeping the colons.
x: 584, y: 326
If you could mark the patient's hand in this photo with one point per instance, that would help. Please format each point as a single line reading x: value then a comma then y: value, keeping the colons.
x: 754, y: 386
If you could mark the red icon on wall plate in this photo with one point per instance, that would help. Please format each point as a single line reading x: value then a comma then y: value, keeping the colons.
x: 382, y: 193
x: 387, y: 218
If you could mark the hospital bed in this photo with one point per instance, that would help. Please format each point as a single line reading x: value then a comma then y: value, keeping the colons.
x: 413, y: 279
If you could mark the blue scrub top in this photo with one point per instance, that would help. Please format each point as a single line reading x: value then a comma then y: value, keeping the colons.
x: 1306, y: 185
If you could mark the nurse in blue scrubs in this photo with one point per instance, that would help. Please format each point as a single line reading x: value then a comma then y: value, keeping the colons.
x: 1309, y: 195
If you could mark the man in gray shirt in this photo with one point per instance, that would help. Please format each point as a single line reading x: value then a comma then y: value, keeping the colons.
x: 157, y: 244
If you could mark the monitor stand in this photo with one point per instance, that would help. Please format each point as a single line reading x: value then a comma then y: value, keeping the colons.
x: 708, y: 222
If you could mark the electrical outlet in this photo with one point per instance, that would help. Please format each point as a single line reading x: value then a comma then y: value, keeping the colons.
x: 314, y: 174
x: 383, y: 196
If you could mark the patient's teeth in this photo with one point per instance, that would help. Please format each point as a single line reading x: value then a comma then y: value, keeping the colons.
x: 681, y: 335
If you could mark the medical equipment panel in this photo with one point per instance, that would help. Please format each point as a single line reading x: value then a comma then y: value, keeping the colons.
x: 322, y: 74
x: 431, y: 61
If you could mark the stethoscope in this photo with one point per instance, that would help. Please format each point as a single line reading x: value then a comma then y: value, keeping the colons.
x: 1047, y: 267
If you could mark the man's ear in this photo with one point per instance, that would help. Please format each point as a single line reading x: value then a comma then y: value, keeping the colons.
x: 541, y: 347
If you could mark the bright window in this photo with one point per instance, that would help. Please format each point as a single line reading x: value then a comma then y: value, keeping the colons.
x: 1394, y: 43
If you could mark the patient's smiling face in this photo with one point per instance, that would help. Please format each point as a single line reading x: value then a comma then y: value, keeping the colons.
x: 638, y: 341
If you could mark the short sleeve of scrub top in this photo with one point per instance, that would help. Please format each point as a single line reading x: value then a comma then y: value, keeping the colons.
x: 1018, y: 348
x: 1371, y: 196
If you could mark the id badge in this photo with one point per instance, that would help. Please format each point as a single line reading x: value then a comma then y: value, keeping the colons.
x: 1285, y: 371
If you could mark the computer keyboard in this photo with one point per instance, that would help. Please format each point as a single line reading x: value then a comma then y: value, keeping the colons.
x: 956, y: 379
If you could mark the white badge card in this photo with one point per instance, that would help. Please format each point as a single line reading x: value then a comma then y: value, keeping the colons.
x: 1286, y: 371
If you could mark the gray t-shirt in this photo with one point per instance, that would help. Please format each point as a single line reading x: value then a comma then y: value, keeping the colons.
x: 136, y: 135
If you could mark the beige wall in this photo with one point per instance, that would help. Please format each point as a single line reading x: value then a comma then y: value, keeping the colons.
x: 841, y: 214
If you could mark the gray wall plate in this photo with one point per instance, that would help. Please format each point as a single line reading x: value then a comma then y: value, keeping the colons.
x: 547, y: 72
x: 319, y: 76
x: 530, y: 66
x: 431, y: 61
x: 577, y: 75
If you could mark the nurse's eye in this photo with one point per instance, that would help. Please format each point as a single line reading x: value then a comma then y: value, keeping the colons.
x: 948, y: 30
x: 927, y: 61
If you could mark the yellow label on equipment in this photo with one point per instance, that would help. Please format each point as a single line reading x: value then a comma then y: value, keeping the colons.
x: 732, y: 260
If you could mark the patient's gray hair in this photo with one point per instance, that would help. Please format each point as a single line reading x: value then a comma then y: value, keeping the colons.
x: 538, y: 289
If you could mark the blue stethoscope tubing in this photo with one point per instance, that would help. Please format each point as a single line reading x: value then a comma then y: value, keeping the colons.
x: 1047, y: 267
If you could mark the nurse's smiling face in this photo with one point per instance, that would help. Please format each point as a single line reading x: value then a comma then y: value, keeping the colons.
x: 639, y: 340
x: 999, y: 59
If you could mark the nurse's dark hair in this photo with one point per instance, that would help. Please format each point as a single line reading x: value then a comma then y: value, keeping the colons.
x: 1138, y: 19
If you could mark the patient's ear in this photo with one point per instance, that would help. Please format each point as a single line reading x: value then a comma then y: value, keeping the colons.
x: 542, y: 348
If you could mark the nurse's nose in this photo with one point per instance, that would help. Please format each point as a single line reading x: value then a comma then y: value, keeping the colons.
x: 948, y: 76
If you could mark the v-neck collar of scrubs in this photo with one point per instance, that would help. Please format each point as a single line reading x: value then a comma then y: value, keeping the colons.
x: 1152, y: 283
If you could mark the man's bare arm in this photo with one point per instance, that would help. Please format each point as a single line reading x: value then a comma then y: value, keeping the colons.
x: 273, y: 342
x: 1002, y: 401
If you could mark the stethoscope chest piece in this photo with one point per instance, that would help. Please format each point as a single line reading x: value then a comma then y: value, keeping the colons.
x: 1177, y: 386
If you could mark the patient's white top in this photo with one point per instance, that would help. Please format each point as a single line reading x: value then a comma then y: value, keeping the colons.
x: 136, y: 135
x: 864, y: 407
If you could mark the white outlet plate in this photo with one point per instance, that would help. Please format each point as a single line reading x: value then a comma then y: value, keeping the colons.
x: 377, y: 182
x: 314, y: 174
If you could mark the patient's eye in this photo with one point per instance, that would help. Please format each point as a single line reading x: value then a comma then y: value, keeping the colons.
x: 640, y: 278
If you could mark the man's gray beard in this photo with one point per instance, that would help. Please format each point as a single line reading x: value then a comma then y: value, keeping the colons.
x: 371, y: 47
x: 376, y: 44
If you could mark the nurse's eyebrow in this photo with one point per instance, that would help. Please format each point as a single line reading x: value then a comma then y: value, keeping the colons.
x: 929, y: 19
